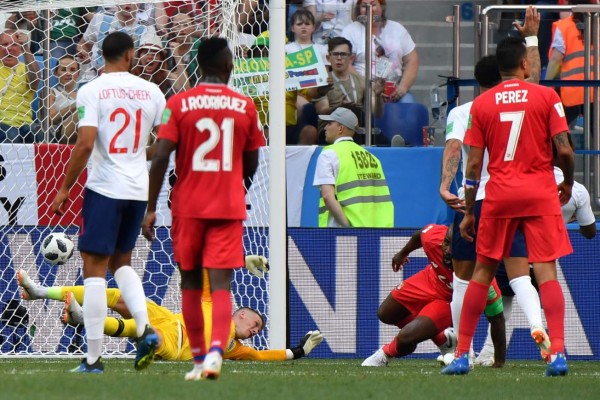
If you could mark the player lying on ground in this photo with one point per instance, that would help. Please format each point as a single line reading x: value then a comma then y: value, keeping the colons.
x: 420, y: 305
x: 174, y: 344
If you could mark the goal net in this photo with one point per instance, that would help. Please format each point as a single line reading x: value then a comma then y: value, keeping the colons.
x: 47, y: 51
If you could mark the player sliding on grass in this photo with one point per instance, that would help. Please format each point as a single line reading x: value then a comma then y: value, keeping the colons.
x: 174, y: 344
x: 420, y: 305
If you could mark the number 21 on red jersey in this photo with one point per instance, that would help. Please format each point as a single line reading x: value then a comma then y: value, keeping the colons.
x: 199, y: 161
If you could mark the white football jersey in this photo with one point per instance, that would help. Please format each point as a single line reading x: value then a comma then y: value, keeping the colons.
x: 125, y: 109
x: 456, y: 128
x: 578, y: 208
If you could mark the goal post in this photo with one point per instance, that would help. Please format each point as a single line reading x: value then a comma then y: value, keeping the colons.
x: 33, y: 160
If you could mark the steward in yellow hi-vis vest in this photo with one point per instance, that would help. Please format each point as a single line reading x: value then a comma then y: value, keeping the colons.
x: 354, y: 191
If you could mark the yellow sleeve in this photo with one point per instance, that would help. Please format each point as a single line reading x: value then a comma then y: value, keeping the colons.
x: 241, y: 352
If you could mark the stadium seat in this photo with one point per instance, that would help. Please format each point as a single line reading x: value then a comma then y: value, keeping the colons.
x: 405, y: 119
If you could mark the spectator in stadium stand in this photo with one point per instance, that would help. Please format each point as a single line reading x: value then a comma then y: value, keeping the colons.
x: 125, y: 20
x: 62, y: 101
x: 396, y: 59
x: 354, y: 191
x: 567, y: 60
x: 183, y: 40
x: 18, y: 82
x: 347, y: 90
x: 28, y: 22
x: 67, y: 27
x: 331, y: 17
x: 150, y: 64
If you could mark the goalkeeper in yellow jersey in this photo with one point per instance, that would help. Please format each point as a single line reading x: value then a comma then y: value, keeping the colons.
x: 174, y: 344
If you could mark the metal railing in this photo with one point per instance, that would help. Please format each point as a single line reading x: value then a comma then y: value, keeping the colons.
x: 591, y: 159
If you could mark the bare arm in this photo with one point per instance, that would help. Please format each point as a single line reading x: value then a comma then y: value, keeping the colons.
x: 160, y: 162
x: 473, y: 172
x: 554, y: 64
x: 588, y: 231
x: 334, y: 207
x: 410, y: 69
x: 250, y: 166
x: 31, y: 64
x: 400, y: 259
x: 86, y: 137
x: 377, y: 97
x: 565, y: 161
x: 450, y: 163
x: 531, y: 28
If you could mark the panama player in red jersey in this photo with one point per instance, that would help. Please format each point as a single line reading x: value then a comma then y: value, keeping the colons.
x: 517, y: 122
x: 216, y: 135
x: 420, y: 305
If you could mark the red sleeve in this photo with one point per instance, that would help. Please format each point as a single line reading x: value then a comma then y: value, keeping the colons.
x: 557, y: 121
x: 169, y: 128
x: 256, y: 137
x: 432, y: 237
x: 474, y: 136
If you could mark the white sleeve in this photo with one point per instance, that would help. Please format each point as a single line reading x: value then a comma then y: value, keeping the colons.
x: 87, y: 107
x: 406, y: 41
x: 325, y: 169
x: 456, y: 125
x: 161, y: 103
x: 558, y: 42
x: 306, y: 3
x: 91, y: 33
x: 583, y: 211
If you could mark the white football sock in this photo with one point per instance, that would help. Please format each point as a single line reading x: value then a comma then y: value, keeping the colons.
x: 94, y: 314
x: 131, y: 288
x: 528, y: 299
x: 459, y: 288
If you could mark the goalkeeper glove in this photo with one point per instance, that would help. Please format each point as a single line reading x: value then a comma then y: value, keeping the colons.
x: 311, y: 340
x: 257, y: 265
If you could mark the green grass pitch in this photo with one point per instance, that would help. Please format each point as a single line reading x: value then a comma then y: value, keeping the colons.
x: 313, y: 379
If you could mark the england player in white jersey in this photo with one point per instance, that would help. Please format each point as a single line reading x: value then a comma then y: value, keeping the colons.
x: 117, y: 113
x: 463, y: 252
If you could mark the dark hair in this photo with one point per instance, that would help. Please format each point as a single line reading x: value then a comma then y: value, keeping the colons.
x: 303, y: 15
x: 338, y: 41
x: 510, y: 52
x: 487, y: 73
x: 115, y: 45
x: 64, y: 58
x: 213, y: 53
x: 262, y: 318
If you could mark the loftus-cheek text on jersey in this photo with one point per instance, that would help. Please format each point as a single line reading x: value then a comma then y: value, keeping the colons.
x: 124, y: 109
x: 212, y: 127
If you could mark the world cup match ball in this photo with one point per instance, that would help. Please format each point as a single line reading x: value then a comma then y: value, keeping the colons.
x: 57, y: 248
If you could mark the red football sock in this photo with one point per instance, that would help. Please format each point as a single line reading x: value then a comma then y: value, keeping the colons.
x: 473, y: 305
x: 391, y: 349
x: 553, y: 303
x: 191, y: 308
x: 439, y: 339
x: 221, y: 315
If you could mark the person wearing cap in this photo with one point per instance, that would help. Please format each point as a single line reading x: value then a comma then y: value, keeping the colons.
x: 150, y: 64
x: 354, y: 191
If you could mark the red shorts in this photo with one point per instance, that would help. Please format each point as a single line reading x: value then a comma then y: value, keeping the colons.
x: 207, y: 243
x: 417, y: 295
x: 546, y: 238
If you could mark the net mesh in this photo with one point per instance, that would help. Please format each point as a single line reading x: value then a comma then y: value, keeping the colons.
x: 47, y: 51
